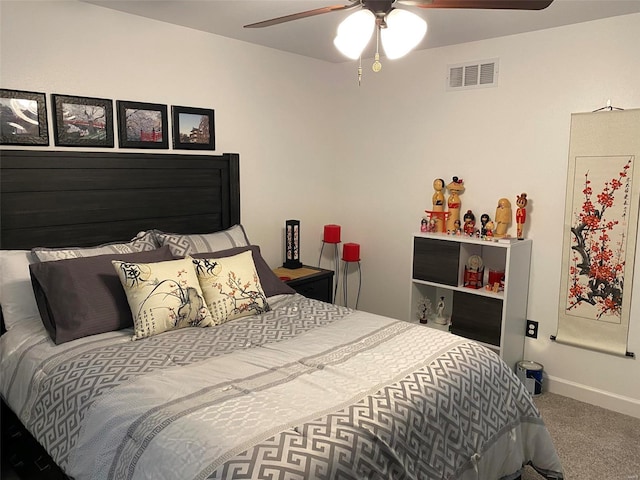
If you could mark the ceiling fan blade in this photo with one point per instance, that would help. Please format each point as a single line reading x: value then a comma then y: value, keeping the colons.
x: 479, y: 4
x: 308, y: 13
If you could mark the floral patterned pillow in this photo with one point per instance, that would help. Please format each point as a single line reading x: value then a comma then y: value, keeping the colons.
x: 163, y: 296
x: 231, y: 287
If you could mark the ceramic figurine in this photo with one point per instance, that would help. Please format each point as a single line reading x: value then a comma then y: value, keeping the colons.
x: 453, y: 202
x: 440, y: 318
x: 438, y: 203
x: 503, y: 218
x: 521, y: 213
x: 484, y: 218
x: 424, y: 225
x: 488, y: 229
x: 469, y: 223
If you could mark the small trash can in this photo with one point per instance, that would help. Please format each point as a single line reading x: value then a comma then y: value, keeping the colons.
x: 530, y: 373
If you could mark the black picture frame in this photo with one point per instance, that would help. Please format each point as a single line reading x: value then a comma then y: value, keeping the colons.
x: 82, y: 121
x: 23, y: 118
x: 193, y: 128
x: 142, y: 125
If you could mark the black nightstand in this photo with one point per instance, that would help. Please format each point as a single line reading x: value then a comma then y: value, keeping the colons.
x: 312, y: 282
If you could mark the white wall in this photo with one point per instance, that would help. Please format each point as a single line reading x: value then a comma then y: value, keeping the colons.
x: 317, y: 147
x: 502, y: 141
x: 270, y: 107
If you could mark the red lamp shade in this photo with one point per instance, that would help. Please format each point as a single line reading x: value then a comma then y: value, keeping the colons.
x: 331, y: 234
x: 351, y: 252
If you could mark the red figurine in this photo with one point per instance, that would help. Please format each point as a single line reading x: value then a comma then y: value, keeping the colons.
x: 521, y: 213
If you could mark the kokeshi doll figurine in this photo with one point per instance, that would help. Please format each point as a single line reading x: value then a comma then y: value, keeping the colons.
x: 438, y: 203
x: 502, y: 218
x: 453, y: 203
x: 521, y: 213
x: 488, y: 229
x: 469, y: 225
x: 484, y: 219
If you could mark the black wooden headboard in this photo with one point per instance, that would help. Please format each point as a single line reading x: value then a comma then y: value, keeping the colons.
x: 62, y: 198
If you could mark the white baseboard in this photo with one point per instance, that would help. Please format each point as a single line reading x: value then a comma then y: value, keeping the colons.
x: 610, y: 401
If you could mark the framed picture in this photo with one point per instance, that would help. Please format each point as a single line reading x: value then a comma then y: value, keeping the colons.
x: 23, y: 118
x: 193, y: 128
x: 82, y: 121
x: 142, y: 125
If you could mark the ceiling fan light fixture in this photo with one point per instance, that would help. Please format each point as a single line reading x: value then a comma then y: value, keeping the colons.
x: 354, y: 33
x: 405, y: 30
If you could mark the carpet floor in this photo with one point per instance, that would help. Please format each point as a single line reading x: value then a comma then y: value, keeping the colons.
x: 593, y: 443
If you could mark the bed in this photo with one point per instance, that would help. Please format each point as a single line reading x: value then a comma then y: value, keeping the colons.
x: 289, y: 388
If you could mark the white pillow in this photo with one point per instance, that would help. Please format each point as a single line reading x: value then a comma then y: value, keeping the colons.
x: 181, y: 245
x: 163, y: 296
x: 16, y: 293
x: 231, y: 287
x: 142, y: 242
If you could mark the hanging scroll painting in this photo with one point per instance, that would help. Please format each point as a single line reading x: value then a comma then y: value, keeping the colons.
x: 600, y: 230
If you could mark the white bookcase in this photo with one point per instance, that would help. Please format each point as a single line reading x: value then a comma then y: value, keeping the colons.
x: 495, y: 319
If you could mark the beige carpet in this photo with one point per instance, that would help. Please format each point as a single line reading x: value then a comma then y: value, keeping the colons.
x: 593, y: 443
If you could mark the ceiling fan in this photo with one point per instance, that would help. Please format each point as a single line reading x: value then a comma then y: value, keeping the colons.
x: 400, y: 30
x: 382, y: 7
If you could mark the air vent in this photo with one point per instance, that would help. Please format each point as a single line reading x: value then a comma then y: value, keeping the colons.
x: 468, y: 75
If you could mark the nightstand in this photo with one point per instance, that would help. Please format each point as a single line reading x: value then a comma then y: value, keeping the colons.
x: 312, y: 282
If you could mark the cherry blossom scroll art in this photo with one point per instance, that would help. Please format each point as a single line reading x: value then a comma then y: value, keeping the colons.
x: 600, y: 232
x: 600, y: 240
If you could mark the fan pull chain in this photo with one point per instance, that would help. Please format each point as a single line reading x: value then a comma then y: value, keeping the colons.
x: 377, y: 66
x: 360, y: 71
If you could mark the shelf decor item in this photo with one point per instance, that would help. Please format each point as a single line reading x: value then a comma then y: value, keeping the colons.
x: 455, y: 187
x: 437, y: 213
x: 521, y: 214
x: 440, y: 318
x: 503, y: 218
x: 495, y: 280
x: 425, y: 310
x: 23, y: 118
x: 474, y: 272
x: 292, y: 244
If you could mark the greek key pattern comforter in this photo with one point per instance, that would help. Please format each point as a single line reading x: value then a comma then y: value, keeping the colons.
x: 307, y: 391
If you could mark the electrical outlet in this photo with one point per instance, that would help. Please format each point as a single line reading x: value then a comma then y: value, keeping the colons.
x: 532, y: 329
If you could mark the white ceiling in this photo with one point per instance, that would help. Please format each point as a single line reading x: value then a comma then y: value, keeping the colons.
x: 313, y: 36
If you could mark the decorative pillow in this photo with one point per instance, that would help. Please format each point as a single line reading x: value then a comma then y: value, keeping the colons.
x: 163, y: 296
x: 271, y: 284
x: 16, y: 295
x: 142, y: 242
x: 231, y: 286
x: 182, y: 245
x: 79, y: 297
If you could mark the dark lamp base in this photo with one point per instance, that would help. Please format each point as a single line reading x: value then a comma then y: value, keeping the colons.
x: 292, y: 264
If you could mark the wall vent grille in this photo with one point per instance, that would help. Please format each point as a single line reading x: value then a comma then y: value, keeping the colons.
x: 478, y: 74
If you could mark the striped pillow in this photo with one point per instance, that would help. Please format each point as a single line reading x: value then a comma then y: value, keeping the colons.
x: 182, y: 245
x: 143, y: 242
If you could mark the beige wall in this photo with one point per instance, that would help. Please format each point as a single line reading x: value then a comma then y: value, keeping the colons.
x: 317, y: 147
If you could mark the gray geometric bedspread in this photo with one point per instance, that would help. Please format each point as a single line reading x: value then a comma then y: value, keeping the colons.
x: 307, y: 391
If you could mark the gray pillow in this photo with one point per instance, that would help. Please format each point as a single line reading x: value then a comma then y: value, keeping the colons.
x: 270, y: 282
x: 78, y: 297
